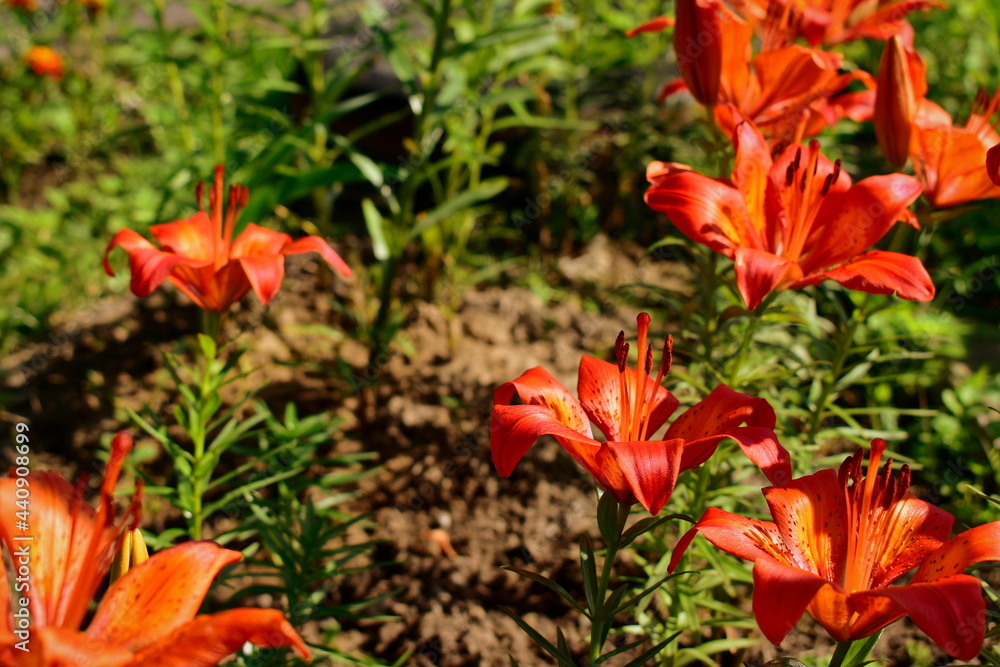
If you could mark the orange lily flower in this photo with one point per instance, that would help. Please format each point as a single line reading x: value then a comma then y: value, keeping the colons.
x: 789, y: 92
x: 837, y: 543
x: 44, y: 61
x: 26, y: 5
x: 793, y: 221
x: 831, y: 22
x: 951, y: 161
x: 146, y: 618
x: 202, y: 259
x: 630, y: 406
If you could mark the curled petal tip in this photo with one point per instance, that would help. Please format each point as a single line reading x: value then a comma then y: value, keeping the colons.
x: 659, y: 24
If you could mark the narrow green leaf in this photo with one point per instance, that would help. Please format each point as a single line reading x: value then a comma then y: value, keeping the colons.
x: 551, y: 585
x: 539, y: 639
x: 374, y: 223
x: 648, y: 655
x: 486, y: 190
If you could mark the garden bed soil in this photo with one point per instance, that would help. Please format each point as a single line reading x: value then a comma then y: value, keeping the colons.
x: 444, y: 515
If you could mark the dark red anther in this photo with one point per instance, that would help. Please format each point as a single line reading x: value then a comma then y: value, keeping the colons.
x: 623, y: 359
x: 199, y: 190
x: 668, y: 354
x: 827, y: 184
x: 619, y: 345
x: 649, y: 359
x: 836, y: 170
x: 903, y: 485
x: 789, y: 175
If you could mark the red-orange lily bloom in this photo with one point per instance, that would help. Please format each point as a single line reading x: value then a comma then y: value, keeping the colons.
x: 202, y: 259
x: 788, y: 91
x: 630, y: 406
x: 147, y: 618
x: 831, y: 22
x: 793, y: 221
x: 837, y: 542
x: 951, y: 161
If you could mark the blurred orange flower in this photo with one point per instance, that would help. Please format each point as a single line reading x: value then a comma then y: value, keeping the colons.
x: 146, y: 617
x: 43, y: 61
x: 202, y: 259
x: 26, y: 5
x: 831, y: 22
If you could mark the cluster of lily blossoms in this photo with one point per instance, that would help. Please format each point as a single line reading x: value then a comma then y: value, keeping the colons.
x: 790, y: 217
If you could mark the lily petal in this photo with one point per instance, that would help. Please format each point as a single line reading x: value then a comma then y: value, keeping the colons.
x: 649, y: 467
x: 515, y: 428
x: 75, y: 543
x: 600, y: 396
x: 720, y: 414
x: 759, y: 272
x: 950, y: 610
x: 745, y: 538
x: 159, y: 596
x: 849, y: 225
x: 811, y: 513
x: 265, y: 273
x: 318, y: 245
x: 209, y: 638
x: 880, y: 272
x: 150, y: 266
x: 975, y: 545
x: 256, y: 241
x: 704, y: 210
x: 192, y: 238
x: 781, y: 595
x: 69, y: 648
x: 659, y: 24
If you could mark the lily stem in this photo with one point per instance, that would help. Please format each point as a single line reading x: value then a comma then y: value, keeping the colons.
x: 840, y: 654
x: 748, y: 335
x: 598, y: 622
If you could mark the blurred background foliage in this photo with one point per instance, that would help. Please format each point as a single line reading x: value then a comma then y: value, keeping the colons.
x: 444, y: 144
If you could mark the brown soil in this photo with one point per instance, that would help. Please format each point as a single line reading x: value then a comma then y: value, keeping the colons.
x: 446, y: 517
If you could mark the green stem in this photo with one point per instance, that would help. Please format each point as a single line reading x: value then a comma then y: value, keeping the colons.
x: 840, y: 654
x: 844, y: 345
x: 748, y: 334
x: 708, y: 300
x: 211, y: 324
x: 598, y: 621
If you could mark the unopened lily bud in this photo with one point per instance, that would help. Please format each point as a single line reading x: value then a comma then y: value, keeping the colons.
x: 895, y: 103
x: 130, y: 552
x: 698, y: 48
